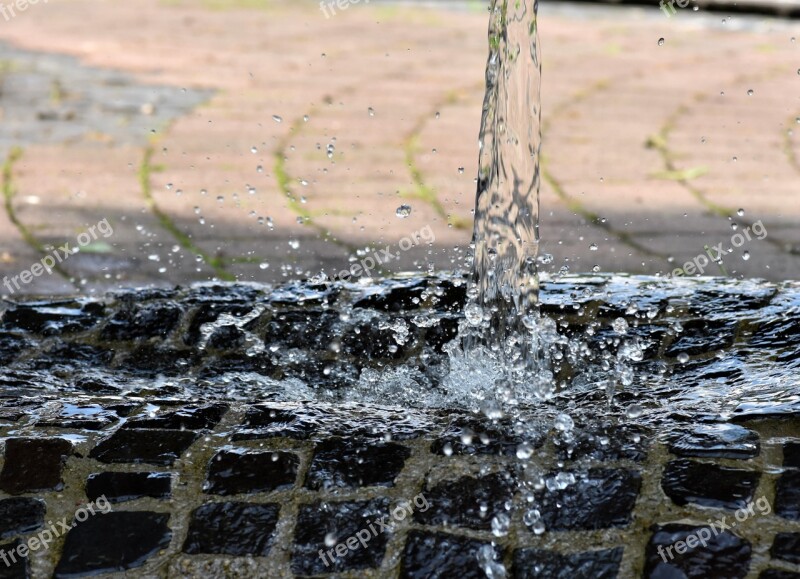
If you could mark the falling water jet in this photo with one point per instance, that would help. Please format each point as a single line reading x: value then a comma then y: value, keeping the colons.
x: 503, y: 309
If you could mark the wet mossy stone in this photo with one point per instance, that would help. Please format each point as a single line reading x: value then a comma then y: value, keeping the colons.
x: 715, y: 441
x: 239, y: 471
x: 20, y: 515
x: 159, y: 447
x: 786, y: 547
x: 34, y: 464
x: 708, y: 485
x: 318, y: 522
x: 541, y: 564
x: 230, y: 528
x: 114, y: 541
x: 787, y: 495
x: 443, y: 556
x: 351, y: 463
x: 598, y: 499
x: 469, y: 502
x: 118, y: 487
x: 723, y: 555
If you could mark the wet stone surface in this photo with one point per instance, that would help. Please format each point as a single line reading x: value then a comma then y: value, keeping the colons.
x: 239, y: 430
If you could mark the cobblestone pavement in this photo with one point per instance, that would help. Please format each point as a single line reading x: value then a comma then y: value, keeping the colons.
x: 313, y: 130
x: 237, y: 431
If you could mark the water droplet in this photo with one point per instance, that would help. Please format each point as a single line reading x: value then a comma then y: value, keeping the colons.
x: 750, y: 92
x: 500, y: 524
x: 306, y: 118
x: 474, y: 314
x: 524, y: 451
x: 253, y: 150
x: 564, y: 422
x: 620, y: 326
x: 371, y: 111
x: 740, y: 212
x: 746, y: 255
x: 277, y: 119
x: 447, y: 449
x: 330, y: 539
x: 263, y: 265
x: 661, y: 42
x: 294, y: 244
x: 461, y: 170
x: 593, y: 247
x: 683, y: 357
x: 403, y: 211
x: 634, y: 411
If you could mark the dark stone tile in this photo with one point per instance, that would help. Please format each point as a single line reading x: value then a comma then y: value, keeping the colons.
x: 20, y: 515
x: 118, y: 487
x: 161, y: 447
x: 114, y: 541
x: 715, y: 441
x: 458, y: 502
x: 443, y: 556
x: 608, y: 443
x: 34, y: 464
x: 86, y: 416
x: 142, y: 322
x: 598, y: 499
x: 239, y: 471
x: 312, y: 330
x: 393, y: 296
x: 791, y: 455
x: 235, y: 529
x: 189, y: 417
x: 150, y: 361
x: 787, y: 495
x: 475, y: 435
x: 237, y: 362
x: 540, y: 564
x: 210, y: 312
x: 702, y: 336
x: 13, y: 566
x: 339, y: 521
x: 72, y: 354
x: 53, y: 318
x: 228, y: 337
x: 724, y: 555
x: 708, y: 485
x: 11, y: 346
x: 786, y: 547
x: 350, y: 463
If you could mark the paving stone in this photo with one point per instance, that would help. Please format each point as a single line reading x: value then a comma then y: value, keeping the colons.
x: 118, y: 487
x: 608, y: 443
x: 787, y: 495
x: 160, y: 447
x: 34, y: 464
x: 14, y: 566
x: 228, y: 337
x: 349, y: 463
x: 724, y: 555
x: 715, y: 441
x: 402, y: 296
x: 305, y: 329
x: 142, y: 322
x: 441, y: 556
x: 340, y: 520
x: 10, y: 347
x: 778, y: 574
x: 53, y: 318
x: 701, y: 337
x: 189, y: 417
x: 71, y: 354
x: 791, y: 455
x: 540, y: 564
x: 114, y: 541
x: 598, y: 499
x: 708, y: 485
x: 20, y: 515
x: 210, y: 312
x: 238, y: 471
x: 150, y: 361
x: 368, y: 341
x: 236, y: 529
x: 474, y: 435
x: 786, y: 547
x: 87, y: 416
x: 459, y: 502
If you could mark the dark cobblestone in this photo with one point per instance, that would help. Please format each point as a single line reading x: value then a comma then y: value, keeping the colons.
x: 349, y: 463
x: 33, y: 464
x: 539, y: 564
x: 15, y: 567
x: 442, y: 556
x: 186, y: 418
x: 113, y: 541
x: 20, y: 515
x: 787, y: 495
x: 725, y: 555
x: 786, y: 547
x: 708, y: 485
x: 236, y: 529
x: 791, y: 455
x: 142, y: 322
x: 701, y: 337
x: 238, y: 471
x: 118, y: 487
x: 53, y: 318
x: 609, y: 443
x: 473, y: 435
x: 715, y: 441
x: 160, y: 447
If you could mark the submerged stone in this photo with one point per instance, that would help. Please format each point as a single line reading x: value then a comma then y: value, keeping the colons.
x: 236, y: 529
x: 540, y: 564
x: 33, y: 464
x: 791, y: 455
x: 20, y: 515
x: 114, y: 541
x: 715, y: 441
x: 119, y: 487
x: 723, y: 554
x: 238, y: 471
x: 441, y: 556
x: 786, y: 547
x: 708, y: 485
x: 349, y: 463
x: 160, y: 447
x: 787, y: 495
x: 189, y: 417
